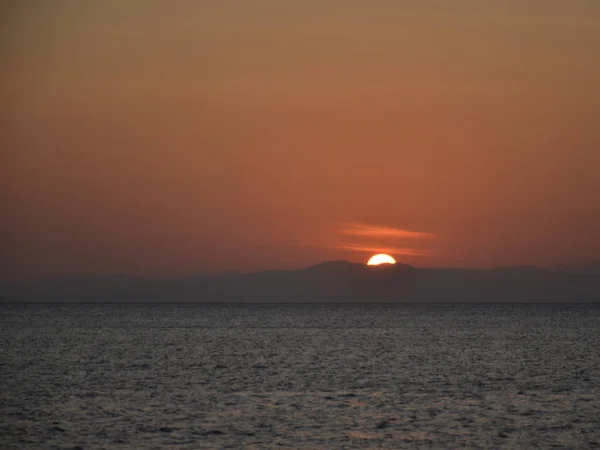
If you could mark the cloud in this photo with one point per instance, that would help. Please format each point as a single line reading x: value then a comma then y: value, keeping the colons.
x: 387, y: 234
x: 374, y: 231
x: 384, y: 249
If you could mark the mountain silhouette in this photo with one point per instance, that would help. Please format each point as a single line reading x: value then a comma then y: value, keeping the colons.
x: 589, y: 266
x: 332, y: 281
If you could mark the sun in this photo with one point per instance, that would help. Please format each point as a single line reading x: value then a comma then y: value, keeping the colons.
x: 382, y: 258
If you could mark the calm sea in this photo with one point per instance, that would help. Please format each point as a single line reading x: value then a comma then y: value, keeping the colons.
x: 299, y: 376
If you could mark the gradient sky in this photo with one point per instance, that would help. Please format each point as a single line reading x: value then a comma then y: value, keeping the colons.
x: 159, y: 137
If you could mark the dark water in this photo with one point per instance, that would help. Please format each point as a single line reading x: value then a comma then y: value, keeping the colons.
x: 151, y: 376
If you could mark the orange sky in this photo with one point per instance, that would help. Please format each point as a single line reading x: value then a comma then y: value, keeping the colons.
x: 161, y: 138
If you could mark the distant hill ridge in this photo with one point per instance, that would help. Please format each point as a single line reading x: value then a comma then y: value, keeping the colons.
x: 333, y: 281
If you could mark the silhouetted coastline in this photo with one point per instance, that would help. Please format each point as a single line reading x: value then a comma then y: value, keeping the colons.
x: 335, y: 282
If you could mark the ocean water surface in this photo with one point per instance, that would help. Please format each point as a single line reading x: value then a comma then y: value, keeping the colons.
x: 299, y: 376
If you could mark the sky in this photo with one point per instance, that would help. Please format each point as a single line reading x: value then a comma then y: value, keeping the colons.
x: 158, y: 138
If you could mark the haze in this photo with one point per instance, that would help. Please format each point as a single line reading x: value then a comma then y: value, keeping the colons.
x: 167, y: 138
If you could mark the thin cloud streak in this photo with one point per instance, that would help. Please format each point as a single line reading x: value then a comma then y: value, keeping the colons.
x: 374, y: 231
x: 389, y: 250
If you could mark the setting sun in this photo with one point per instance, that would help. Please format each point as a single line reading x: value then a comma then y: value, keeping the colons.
x: 382, y: 258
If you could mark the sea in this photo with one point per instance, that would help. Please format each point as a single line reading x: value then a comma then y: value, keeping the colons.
x: 310, y: 376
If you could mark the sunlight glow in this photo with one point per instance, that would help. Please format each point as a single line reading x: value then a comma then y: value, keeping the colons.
x: 381, y: 258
